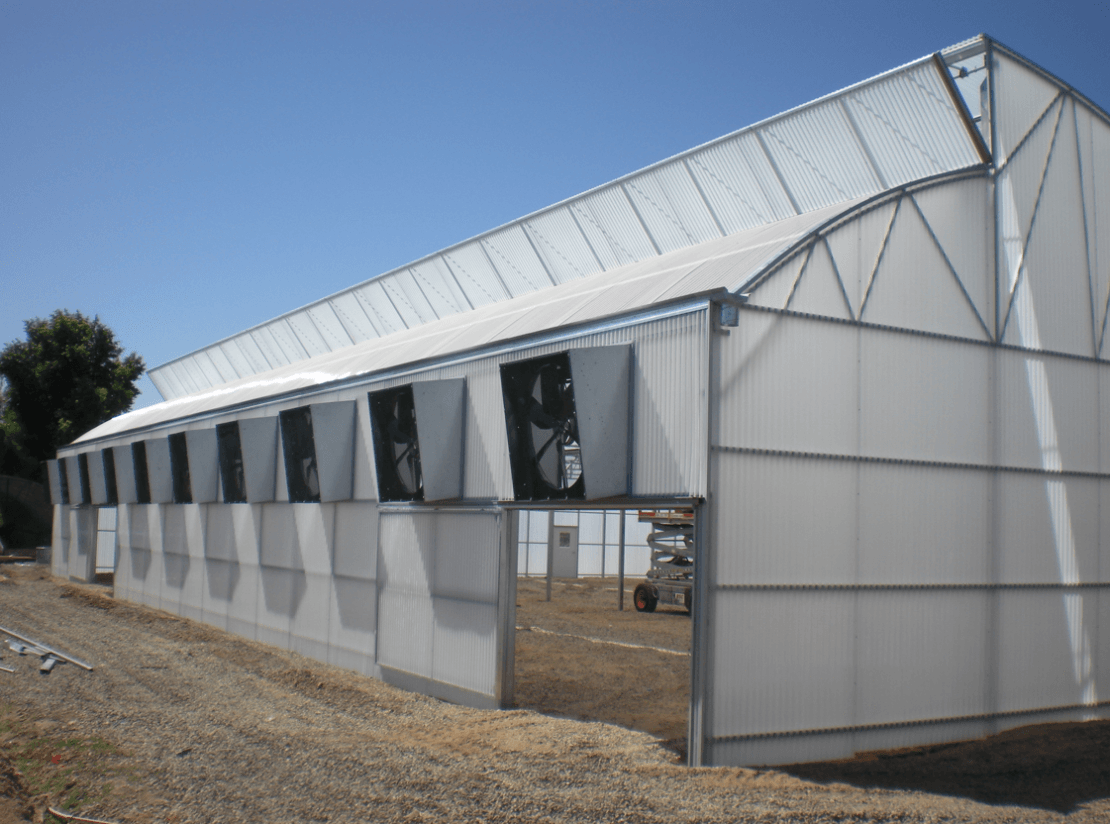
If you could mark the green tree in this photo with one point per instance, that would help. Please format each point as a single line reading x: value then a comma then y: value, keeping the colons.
x: 64, y: 379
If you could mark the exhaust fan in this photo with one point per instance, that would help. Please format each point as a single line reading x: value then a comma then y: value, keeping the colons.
x: 567, y: 421
x: 396, y: 447
x: 418, y: 434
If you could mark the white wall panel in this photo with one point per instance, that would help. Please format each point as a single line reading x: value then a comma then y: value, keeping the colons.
x: 923, y: 525
x: 920, y: 655
x: 200, y: 445
x: 333, y: 431
x: 959, y: 215
x: 356, y: 540
x: 804, y: 644
x: 600, y: 377
x: 364, y: 486
x: 924, y: 399
x: 464, y: 644
x: 856, y: 246
x: 125, y: 474
x: 98, y: 492
x: 819, y: 290
x: 790, y: 383
x: 352, y: 623
x: 1048, y: 529
x: 1060, y: 316
x: 467, y: 549
x: 1047, y: 412
x: 258, y: 440
x: 440, y: 421
x: 1021, y: 96
x: 1044, y: 662
x: 158, y: 470
x: 438, y: 578
x: 668, y: 407
x: 786, y: 521
x: 914, y: 287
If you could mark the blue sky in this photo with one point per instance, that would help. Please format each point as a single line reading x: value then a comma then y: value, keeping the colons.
x: 186, y: 170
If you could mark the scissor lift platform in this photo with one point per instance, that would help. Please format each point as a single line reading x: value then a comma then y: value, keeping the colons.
x: 670, y: 580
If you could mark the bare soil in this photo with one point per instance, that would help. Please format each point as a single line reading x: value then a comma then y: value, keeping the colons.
x: 180, y: 722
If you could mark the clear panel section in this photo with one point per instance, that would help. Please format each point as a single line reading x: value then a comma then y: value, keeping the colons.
x: 412, y: 310
x: 1021, y: 96
x: 516, y: 261
x: 819, y: 291
x: 220, y: 361
x: 924, y: 399
x: 440, y: 287
x: 740, y: 183
x: 562, y: 246
x: 612, y: 228
x: 352, y: 315
x: 899, y: 120
x: 672, y: 208
x: 856, y: 247
x: 821, y: 138
x: 379, y: 306
x: 330, y: 326
x: 263, y: 337
x: 475, y: 274
x: 790, y: 383
x: 914, y: 288
x: 788, y: 520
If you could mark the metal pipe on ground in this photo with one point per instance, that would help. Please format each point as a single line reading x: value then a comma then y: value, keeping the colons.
x: 47, y: 649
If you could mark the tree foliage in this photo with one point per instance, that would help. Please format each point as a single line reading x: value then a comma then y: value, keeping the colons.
x: 64, y: 379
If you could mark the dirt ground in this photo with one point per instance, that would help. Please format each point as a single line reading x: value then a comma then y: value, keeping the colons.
x: 179, y: 722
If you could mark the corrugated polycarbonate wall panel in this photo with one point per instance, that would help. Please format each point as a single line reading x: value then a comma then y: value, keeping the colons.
x: 932, y: 580
x: 439, y: 597
x: 790, y: 383
x: 895, y: 128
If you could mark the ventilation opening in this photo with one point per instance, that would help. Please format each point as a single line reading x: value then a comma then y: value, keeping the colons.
x: 142, y: 477
x: 299, y: 449
x: 396, y: 445
x: 179, y: 469
x: 583, y: 650
x: 232, y: 475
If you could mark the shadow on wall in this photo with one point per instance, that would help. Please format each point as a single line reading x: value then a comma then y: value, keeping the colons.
x: 1050, y: 766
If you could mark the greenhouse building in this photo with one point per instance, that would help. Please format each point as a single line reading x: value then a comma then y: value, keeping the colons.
x: 863, y: 341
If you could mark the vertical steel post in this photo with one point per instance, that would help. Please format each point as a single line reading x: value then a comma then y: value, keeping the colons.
x: 620, y: 567
x: 550, y: 550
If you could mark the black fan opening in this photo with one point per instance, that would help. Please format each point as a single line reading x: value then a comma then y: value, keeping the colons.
x: 396, y: 445
x: 542, y: 424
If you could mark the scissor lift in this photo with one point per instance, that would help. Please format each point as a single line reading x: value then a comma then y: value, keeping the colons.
x: 671, y: 577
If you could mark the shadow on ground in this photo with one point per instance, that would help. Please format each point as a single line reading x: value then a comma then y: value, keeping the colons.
x: 1051, y: 766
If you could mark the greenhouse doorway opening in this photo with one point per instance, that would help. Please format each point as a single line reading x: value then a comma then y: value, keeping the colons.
x: 588, y: 644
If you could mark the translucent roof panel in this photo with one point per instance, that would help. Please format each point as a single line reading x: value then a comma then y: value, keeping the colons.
x: 724, y: 263
x: 887, y: 131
